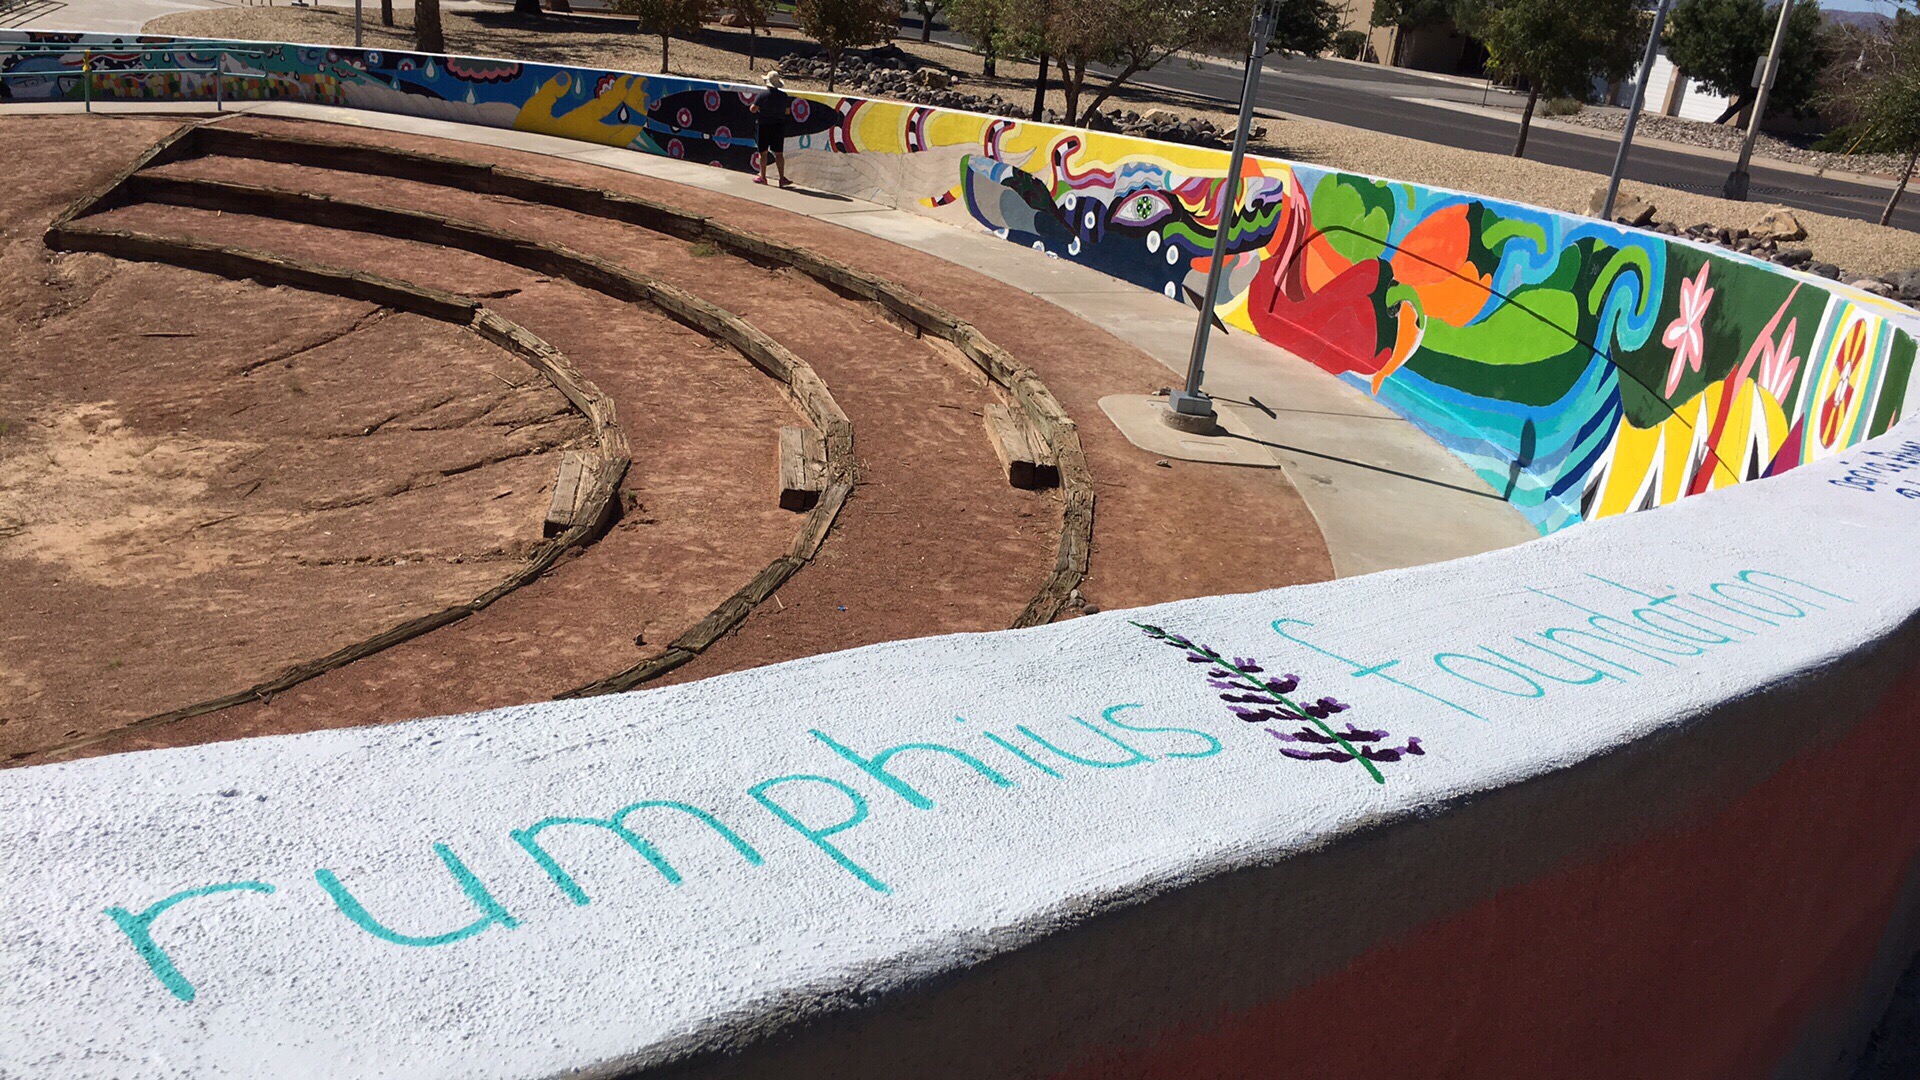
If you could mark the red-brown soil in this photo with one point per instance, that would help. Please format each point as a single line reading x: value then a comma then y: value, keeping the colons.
x: 1159, y: 533
x: 933, y: 540
x: 204, y: 482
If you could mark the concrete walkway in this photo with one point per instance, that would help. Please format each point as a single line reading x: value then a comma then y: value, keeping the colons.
x: 1383, y: 493
x: 104, y: 16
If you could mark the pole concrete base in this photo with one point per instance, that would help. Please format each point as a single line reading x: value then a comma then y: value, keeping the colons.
x: 1191, y: 413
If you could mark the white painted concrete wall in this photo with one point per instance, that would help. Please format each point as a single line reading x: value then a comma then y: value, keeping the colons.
x: 845, y: 885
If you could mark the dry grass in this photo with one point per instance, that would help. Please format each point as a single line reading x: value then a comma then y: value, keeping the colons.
x: 722, y: 53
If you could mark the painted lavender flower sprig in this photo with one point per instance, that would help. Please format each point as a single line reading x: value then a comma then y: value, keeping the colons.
x: 1255, y: 696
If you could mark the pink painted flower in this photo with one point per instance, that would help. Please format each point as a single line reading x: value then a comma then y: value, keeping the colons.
x: 1778, y: 365
x: 1685, y: 335
x: 1776, y: 361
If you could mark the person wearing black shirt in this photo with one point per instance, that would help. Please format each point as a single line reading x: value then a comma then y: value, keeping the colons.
x: 773, y: 107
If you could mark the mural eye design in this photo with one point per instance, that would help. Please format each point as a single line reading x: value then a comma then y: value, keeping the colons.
x: 711, y: 99
x: 623, y: 116
x: 1141, y: 209
x: 799, y: 110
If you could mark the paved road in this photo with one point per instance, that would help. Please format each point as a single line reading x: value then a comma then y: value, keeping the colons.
x: 1368, y: 97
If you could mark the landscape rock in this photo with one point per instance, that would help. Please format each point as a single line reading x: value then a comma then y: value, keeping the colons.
x: 932, y: 78
x: 1825, y: 270
x: 1906, y: 284
x: 1872, y: 285
x: 1632, y: 211
x: 1794, y: 256
x: 1778, y: 223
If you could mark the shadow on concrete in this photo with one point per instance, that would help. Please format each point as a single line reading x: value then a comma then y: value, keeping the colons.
x: 814, y: 193
x: 1480, y: 492
x: 13, y: 16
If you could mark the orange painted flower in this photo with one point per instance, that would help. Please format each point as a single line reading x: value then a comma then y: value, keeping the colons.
x: 1432, y: 260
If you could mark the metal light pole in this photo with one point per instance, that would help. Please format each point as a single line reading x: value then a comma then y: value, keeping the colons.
x: 1192, y: 409
x: 1633, y: 114
x: 357, y: 4
x: 1736, y: 186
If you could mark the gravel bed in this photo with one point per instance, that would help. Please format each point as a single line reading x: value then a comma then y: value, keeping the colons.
x: 1723, y: 137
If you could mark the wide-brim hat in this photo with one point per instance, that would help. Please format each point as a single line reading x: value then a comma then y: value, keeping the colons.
x: 773, y: 79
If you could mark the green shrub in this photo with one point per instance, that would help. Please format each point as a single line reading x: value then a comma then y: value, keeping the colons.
x: 1840, y: 140
x: 1348, y: 44
x: 1562, y: 106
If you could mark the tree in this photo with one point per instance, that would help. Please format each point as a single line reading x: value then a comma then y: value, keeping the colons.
x: 1138, y: 35
x: 666, y: 18
x: 1027, y: 22
x: 1879, y: 95
x: 1009, y: 28
x: 1557, y: 46
x: 979, y: 20
x: 753, y: 15
x: 1720, y: 41
x: 927, y: 9
x: 386, y: 12
x: 839, y: 25
x: 427, y: 36
x: 1411, y: 14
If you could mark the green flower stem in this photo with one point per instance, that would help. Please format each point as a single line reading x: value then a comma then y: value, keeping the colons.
x: 1321, y: 724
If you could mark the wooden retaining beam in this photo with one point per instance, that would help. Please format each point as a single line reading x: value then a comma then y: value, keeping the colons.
x: 569, y: 490
x: 1024, y: 455
x: 802, y: 468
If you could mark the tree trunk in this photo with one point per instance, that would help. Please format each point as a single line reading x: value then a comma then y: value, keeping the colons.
x: 833, y: 68
x: 1040, y: 86
x: 1070, y: 86
x: 427, y: 36
x: 753, y: 47
x: 1107, y: 91
x: 986, y: 60
x: 926, y: 26
x: 1526, y: 119
x: 666, y: 42
x: 386, y: 12
x: 526, y: 7
x: 1893, y: 200
x: 1738, y: 103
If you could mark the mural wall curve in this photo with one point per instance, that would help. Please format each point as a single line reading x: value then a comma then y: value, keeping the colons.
x: 1583, y: 369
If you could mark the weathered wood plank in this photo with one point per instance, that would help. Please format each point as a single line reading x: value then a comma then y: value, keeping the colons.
x: 1013, y: 445
x: 802, y: 461
x: 568, y: 487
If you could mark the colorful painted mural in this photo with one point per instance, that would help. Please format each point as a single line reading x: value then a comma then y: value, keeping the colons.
x: 1582, y: 369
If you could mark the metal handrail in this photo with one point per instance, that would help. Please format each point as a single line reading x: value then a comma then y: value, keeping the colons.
x: 87, y: 72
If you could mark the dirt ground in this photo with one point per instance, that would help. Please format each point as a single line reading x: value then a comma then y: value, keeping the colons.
x: 933, y: 540
x: 722, y: 53
x: 203, y: 482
